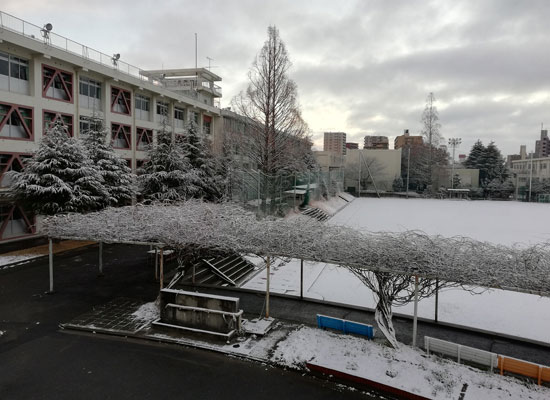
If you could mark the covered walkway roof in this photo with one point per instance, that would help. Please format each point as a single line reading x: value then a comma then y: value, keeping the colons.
x: 229, y: 227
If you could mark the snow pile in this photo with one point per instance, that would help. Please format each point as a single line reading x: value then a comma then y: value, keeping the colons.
x: 147, y: 312
x: 405, y: 368
x: 7, y: 260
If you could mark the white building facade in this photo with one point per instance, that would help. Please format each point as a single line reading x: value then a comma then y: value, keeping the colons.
x: 46, y: 78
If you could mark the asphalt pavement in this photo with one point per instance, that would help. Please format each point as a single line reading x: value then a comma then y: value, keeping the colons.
x: 38, y: 361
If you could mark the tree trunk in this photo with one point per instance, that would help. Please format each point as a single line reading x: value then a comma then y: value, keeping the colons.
x: 383, y: 316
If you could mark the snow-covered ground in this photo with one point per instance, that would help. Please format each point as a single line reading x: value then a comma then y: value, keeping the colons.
x: 405, y: 368
x: 9, y: 260
x: 498, y: 222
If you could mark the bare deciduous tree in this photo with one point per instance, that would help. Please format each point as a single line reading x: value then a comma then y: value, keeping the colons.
x: 270, y: 103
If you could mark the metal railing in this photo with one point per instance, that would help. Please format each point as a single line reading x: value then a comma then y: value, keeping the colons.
x: 48, y: 38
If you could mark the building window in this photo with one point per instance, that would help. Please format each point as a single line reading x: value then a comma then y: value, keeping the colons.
x: 121, y: 136
x: 90, y: 124
x: 14, y: 73
x: 57, y: 84
x: 162, y: 109
x: 144, y: 138
x: 10, y: 162
x: 66, y: 120
x: 179, y: 117
x: 121, y: 101
x: 195, y: 117
x: 14, y: 222
x: 90, y: 93
x: 15, y: 121
x: 143, y: 105
x: 206, y: 124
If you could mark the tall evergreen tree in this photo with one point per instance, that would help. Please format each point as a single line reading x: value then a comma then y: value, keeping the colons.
x: 118, y: 178
x: 476, y: 155
x: 59, y: 177
x: 167, y: 175
x: 489, y: 161
x: 206, y: 172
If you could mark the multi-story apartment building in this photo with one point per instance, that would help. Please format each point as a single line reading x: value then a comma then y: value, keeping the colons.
x: 530, y: 168
x: 542, y: 146
x: 352, y: 146
x: 335, y: 142
x: 46, y: 78
x: 376, y: 142
x: 406, y: 140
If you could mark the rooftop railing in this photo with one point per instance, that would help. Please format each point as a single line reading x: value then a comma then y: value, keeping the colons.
x: 49, y: 38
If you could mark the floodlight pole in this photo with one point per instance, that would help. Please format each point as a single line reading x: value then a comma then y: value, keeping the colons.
x: 454, y: 143
x: 415, y: 318
x: 436, y: 298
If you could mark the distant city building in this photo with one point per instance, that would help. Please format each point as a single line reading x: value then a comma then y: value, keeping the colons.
x: 376, y: 142
x: 514, y: 157
x: 352, y: 146
x: 407, y: 140
x: 335, y: 142
x: 528, y: 169
x: 542, y: 146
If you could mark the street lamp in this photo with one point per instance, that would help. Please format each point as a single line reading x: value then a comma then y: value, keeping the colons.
x: 454, y: 143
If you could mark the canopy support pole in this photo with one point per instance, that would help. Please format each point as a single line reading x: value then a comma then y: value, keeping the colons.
x: 50, y: 255
x: 301, y: 279
x: 415, y: 319
x: 267, y: 263
x: 161, y: 256
x: 100, y: 259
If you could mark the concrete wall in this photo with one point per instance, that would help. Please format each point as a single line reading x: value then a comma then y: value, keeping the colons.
x: 385, y: 166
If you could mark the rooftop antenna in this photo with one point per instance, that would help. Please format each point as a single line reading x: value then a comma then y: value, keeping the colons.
x: 45, y: 31
x: 209, y: 60
x: 115, y: 59
x: 196, y: 71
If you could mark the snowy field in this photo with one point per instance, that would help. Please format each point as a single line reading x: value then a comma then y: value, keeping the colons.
x: 505, y: 223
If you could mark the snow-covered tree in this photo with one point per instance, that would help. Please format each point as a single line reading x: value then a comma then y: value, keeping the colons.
x: 59, y: 177
x: 167, y: 175
x: 209, y: 176
x: 118, y: 178
x: 489, y: 161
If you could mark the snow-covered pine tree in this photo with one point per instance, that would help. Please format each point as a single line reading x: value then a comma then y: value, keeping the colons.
x: 167, y: 175
x: 209, y: 175
x: 118, y: 178
x: 59, y: 177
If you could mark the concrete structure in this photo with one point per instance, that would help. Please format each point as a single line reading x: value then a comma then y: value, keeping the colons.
x: 352, y: 146
x: 407, y: 140
x: 328, y: 160
x: 376, y: 142
x: 45, y: 78
x: 335, y: 142
x: 542, y: 146
x: 469, y: 178
x: 384, y: 166
x: 530, y: 169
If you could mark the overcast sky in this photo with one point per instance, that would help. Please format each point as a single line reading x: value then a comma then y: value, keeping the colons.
x: 362, y: 67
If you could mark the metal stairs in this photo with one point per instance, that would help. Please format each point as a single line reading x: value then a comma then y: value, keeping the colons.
x: 316, y: 213
x: 227, y: 270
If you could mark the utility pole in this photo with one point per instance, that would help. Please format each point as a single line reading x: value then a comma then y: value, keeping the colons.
x: 530, y: 177
x: 408, y: 167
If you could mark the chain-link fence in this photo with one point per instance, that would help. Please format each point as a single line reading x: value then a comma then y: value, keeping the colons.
x: 276, y: 194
